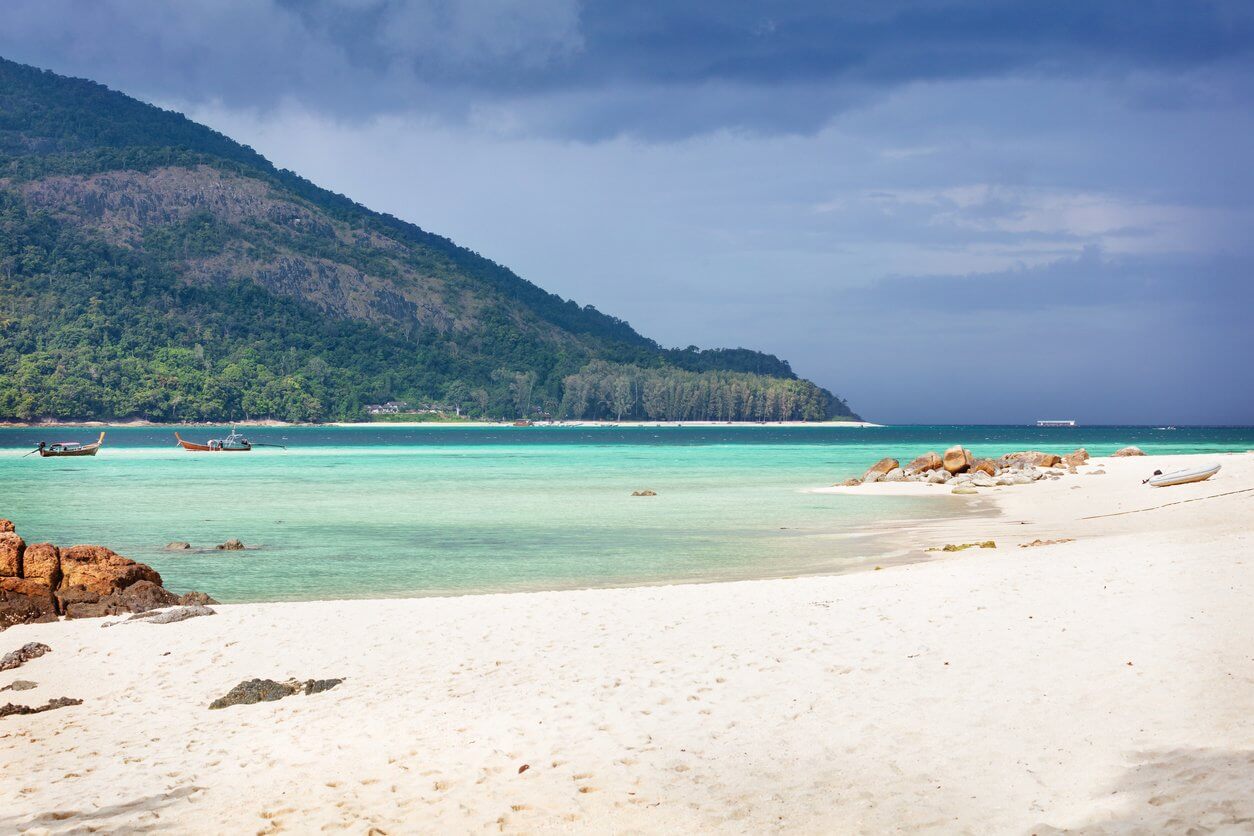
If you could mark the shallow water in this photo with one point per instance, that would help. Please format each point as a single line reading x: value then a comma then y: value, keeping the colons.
x: 393, y: 511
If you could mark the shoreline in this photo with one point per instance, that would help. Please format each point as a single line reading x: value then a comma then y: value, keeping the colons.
x: 1098, y: 681
x: 34, y: 425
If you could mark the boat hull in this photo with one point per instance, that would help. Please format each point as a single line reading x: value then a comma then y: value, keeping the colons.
x: 57, y: 454
x: 85, y: 450
x: 205, y: 448
x: 1183, y: 477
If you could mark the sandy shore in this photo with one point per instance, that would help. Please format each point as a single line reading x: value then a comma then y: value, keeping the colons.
x: 1105, y: 683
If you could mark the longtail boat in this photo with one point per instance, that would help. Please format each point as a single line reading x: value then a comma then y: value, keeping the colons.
x: 233, y: 443
x: 68, y: 448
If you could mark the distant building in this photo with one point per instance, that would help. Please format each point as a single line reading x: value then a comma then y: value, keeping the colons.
x: 389, y: 408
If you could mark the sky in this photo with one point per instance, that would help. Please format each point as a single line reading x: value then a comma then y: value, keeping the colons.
x: 968, y: 211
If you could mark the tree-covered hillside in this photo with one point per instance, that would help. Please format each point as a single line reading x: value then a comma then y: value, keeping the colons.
x: 151, y: 267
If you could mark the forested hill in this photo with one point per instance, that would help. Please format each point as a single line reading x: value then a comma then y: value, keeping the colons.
x: 151, y: 267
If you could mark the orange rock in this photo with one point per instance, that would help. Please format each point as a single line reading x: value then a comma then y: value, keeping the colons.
x: 11, y: 548
x: 25, y: 586
x: 1048, y: 460
x: 1077, y: 458
x: 42, y: 562
x: 926, y: 463
x: 985, y: 466
x: 881, y: 467
x: 6, y: 526
x: 1129, y: 451
x: 101, y: 571
x: 957, y: 459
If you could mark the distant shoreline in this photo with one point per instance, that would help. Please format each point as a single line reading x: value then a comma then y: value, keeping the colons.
x: 413, y: 424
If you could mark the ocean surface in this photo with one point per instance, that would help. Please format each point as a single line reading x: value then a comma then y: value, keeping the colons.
x: 350, y: 512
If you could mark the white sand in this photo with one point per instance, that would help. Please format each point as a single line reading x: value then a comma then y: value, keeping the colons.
x: 1106, y: 683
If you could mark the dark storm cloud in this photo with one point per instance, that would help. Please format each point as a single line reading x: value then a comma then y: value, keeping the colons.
x: 599, y: 68
x: 1048, y: 201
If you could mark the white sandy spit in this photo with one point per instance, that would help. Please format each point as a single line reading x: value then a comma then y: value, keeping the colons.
x: 1103, y: 684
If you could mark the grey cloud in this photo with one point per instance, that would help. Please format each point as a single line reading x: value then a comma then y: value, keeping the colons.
x: 599, y: 69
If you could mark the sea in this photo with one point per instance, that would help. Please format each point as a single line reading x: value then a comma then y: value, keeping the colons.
x: 386, y: 511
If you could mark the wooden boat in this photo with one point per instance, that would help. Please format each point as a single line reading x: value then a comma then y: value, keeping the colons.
x: 68, y: 448
x: 233, y: 443
x: 1182, y: 477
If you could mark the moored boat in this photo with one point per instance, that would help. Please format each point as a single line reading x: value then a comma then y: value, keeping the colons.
x: 233, y: 443
x: 68, y: 448
x: 1182, y: 477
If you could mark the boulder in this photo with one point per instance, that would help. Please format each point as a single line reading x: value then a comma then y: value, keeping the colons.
x: 252, y: 691
x: 67, y: 596
x: 926, y: 463
x: 895, y: 475
x: 1129, y: 451
x: 964, y: 489
x: 957, y: 459
x: 986, y: 466
x: 42, y: 562
x: 31, y: 589
x: 880, y: 468
x: 235, y: 544
x: 25, y: 602
x: 195, y: 599
x: 141, y: 596
x: 172, y: 615
x: 99, y: 570
x: 11, y: 548
x: 938, y: 477
x: 1077, y: 458
x: 51, y: 705
x: 1048, y: 460
x: 6, y: 527
x: 178, y: 546
x: 1026, y: 458
x: 19, y: 657
x: 872, y: 478
x: 227, y: 544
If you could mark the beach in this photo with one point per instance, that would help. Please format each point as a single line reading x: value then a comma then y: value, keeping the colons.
x: 1103, y: 683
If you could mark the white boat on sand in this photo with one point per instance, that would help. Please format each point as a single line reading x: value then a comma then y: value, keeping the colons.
x: 1182, y: 477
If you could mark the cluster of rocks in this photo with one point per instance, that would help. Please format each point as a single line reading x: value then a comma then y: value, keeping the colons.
x: 232, y: 545
x: 964, y: 472
x: 252, y: 691
x: 41, y: 582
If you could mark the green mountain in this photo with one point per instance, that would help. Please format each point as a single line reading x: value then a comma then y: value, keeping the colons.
x: 151, y: 267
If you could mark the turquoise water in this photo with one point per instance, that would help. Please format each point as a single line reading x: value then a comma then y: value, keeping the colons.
x: 392, y: 511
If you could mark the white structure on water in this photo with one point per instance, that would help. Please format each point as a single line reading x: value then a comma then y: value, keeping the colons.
x: 1068, y: 423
